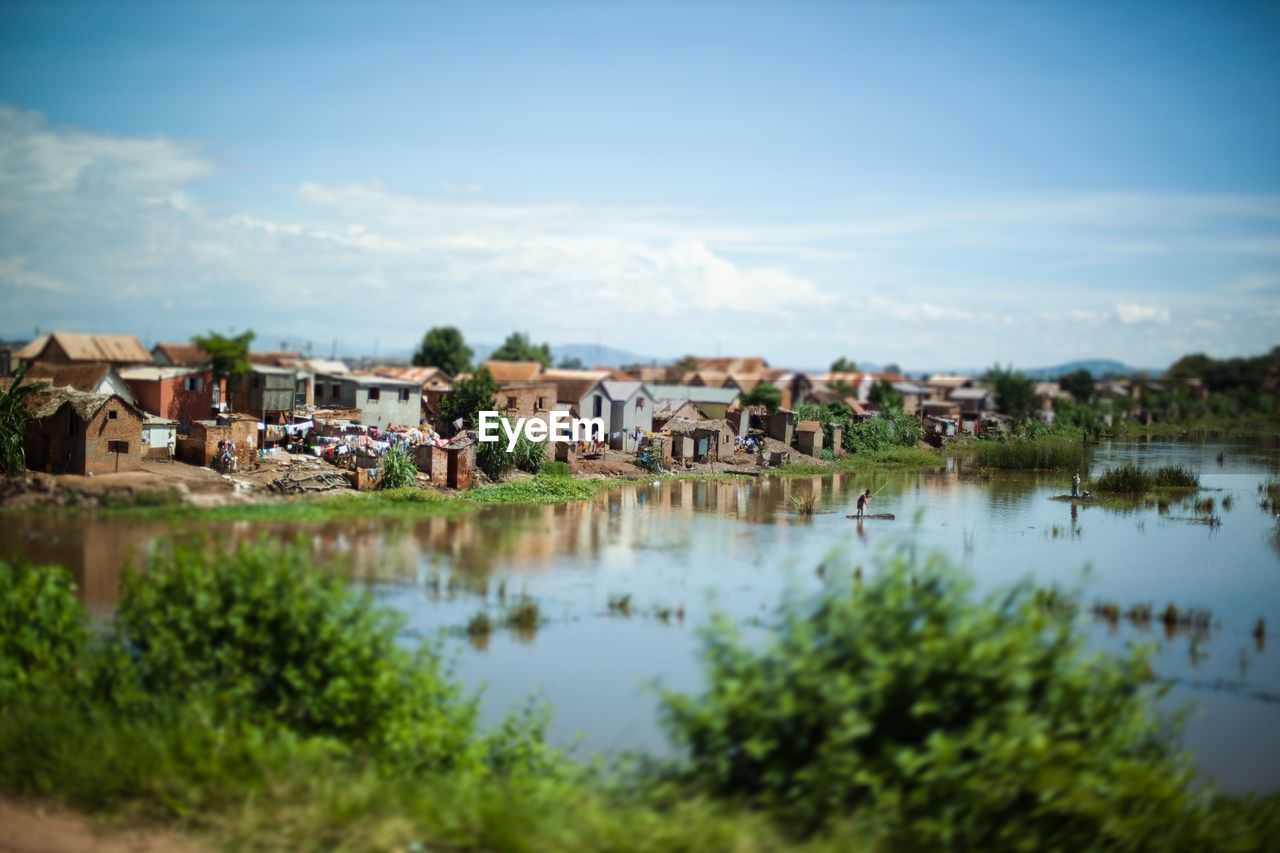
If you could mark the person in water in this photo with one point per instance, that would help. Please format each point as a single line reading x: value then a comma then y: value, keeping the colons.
x: 863, y: 500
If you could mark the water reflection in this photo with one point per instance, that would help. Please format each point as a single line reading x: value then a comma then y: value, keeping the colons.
x: 688, y: 547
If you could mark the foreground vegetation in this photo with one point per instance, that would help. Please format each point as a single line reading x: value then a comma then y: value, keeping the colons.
x: 251, y: 698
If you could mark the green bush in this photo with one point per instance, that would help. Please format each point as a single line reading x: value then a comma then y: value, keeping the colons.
x: 869, y: 436
x: 530, y: 456
x: 907, y: 429
x: 397, y: 469
x: 261, y: 633
x: 956, y: 724
x: 43, y: 630
x: 556, y: 469
x: 493, y: 459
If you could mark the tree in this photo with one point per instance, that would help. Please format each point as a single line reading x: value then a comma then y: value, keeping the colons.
x: 571, y: 363
x: 844, y: 365
x: 443, y: 347
x: 14, y: 414
x: 228, y: 357
x: 1079, y: 384
x: 884, y: 397
x: 764, y: 394
x: 892, y: 367
x: 518, y: 347
x: 686, y: 363
x: 469, y: 398
x: 1015, y: 392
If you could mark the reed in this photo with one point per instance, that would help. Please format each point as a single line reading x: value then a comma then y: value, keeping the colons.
x: 1042, y: 454
x: 1133, y: 479
x: 804, y: 503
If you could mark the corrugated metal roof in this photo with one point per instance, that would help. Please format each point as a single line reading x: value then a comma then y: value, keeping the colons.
x: 696, y: 393
x: 620, y: 389
x: 188, y: 355
x: 120, y: 349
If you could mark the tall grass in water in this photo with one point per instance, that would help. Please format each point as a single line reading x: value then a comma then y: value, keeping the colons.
x: 1041, y: 454
x: 1133, y: 479
x: 804, y: 503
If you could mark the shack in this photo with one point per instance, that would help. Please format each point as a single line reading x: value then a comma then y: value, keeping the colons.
x: 71, y: 432
x: 157, y: 434
x: 700, y: 441
x: 809, y: 438
x: 201, y: 444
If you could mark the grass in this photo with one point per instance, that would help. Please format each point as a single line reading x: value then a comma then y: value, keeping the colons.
x: 1134, y: 479
x: 805, y: 503
x: 524, y: 615
x: 1041, y: 454
x: 893, y: 457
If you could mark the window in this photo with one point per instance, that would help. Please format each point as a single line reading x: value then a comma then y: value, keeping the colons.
x: 511, y: 402
x: 597, y: 406
x: 639, y: 404
x: 336, y: 391
x: 193, y: 383
x: 404, y: 395
x: 117, y: 447
x: 375, y: 394
x: 257, y: 381
x: 542, y: 404
x: 319, y: 392
x: 111, y: 414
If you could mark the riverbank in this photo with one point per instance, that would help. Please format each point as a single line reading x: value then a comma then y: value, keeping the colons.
x: 154, y: 494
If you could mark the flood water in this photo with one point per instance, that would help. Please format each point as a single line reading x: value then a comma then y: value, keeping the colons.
x: 683, y: 549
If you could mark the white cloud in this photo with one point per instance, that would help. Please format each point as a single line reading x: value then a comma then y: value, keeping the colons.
x: 1132, y: 314
x: 109, y: 232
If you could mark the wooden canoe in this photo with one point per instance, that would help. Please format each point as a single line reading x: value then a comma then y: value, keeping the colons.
x: 878, y: 516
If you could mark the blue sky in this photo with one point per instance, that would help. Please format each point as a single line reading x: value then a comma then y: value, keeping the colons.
x: 929, y: 183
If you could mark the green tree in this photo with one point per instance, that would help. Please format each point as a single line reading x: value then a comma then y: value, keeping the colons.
x: 686, y: 363
x: 764, y: 394
x: 14, y: 415
x: 844, y: 365
x: 469, y: 398
x: 1015, y: 392
x: 892, y: 367
x: 1079, y: 384
x: 884, y: 397
x: 571, y: 363
x: 228, y: 356
x: 443, y: 347
x: 518, y: 347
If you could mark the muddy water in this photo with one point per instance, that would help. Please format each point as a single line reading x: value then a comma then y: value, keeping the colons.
x: 683, y: 549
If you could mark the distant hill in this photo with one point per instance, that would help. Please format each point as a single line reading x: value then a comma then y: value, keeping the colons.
x: 589, y: 354
x: 1097, y: 366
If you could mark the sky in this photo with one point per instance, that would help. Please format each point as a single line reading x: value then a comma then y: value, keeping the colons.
x: 932, y: 184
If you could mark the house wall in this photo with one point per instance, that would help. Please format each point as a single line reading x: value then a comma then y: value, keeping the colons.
x: 625, y: 415
x: 200, y: 447
x: 528, y: 398
x: 65, y: 444
x: 156, y: 437
x: 389, y: 409
x: 168, y: 398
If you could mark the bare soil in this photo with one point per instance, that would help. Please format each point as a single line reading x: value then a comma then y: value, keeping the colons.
x: 27, y: 827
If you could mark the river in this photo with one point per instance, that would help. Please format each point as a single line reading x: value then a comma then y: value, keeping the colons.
x: 683, y: 549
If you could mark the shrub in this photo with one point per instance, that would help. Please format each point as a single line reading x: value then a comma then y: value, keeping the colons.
x: 959, y: 724
x: 869, y: 436
x: 556, y: 469
x: 530, y: 456
x: 907, y: 430
x: 43, y: 630
x: 397, y: 469
x: 493, y: 459
x: 260, y: 633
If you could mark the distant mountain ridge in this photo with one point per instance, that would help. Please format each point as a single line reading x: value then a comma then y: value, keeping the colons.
x: 1099, y: 367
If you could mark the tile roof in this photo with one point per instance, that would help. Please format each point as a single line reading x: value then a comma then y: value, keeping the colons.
x: 188, y: 355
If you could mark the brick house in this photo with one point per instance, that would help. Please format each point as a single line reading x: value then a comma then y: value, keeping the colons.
x: 71, y: 432
x: 182, y: 394
x: 200, y: 445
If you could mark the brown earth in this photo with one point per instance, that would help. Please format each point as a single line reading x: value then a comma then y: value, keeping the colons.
x: 27, y: 827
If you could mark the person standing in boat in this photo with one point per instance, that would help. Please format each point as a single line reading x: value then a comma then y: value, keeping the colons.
x: 1075, y: 485
x: 863, y: 500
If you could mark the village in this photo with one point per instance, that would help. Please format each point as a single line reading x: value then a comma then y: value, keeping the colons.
x: 142, y: 420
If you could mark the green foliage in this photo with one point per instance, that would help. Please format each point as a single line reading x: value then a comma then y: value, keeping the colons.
x: 1133, y: 479
x: 907, y: 429
x: 883, y: 397
x: 43, y: 631
x: 397, y: 469
x: 228, y: 356
x: 444, y: 347
x: 1039, y: 454
x: 468, y: 399
x: 764, y: 394
x: 869, y: 436
x: 844, y: 365
x: 571, y: 362
x: 1079, y: 384
x: 1015, y: 392
x: 556, y: 469
x: 524, y: 615
x: 958, y: 724
x: 518, y: 347
x: 530, y: 456
x: 260, y: 634
x: 14, y: 415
